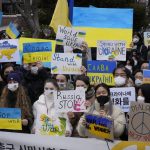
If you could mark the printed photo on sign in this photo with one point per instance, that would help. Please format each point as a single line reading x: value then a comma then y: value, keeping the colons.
x: 70, y: 101
x: 9, y: 51
x: 63, y: 63
x: 111, y: 50
x: 122, y: 97
x: 139, y: 122
x: 99, y: 127
x: 50, y: 126
x: 147, y: 38
x: 101, y: 72
x: 10, y: 118
x: 69, y: 37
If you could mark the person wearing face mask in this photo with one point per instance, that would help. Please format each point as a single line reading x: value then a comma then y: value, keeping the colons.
x: 122, y: 77
x: 144, y: 93
x: 34, y: 80
x: 45, y: 105
x: 14, y: 95
x: 104, y: 107
x: 82, y: 81
x: 6, y: 70
x: 130, y: 65
x: 63, y: 82
x: 138, y: 78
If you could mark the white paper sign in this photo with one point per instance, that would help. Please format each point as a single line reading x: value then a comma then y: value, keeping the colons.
x: 69, y: 37
x: 122, y: 97
x: 63, y: 63
x: 9, y: 51
x: 111, y: 50
x: 70, y: 101
x: 147, y: 38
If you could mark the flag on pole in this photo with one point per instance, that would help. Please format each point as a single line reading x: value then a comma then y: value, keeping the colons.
x: 12, y: 31
x: 61, y: 15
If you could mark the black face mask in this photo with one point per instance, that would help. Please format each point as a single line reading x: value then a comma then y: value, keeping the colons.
x: 102, y: 100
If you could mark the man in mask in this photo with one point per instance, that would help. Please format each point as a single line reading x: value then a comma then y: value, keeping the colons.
x: 34, y: 80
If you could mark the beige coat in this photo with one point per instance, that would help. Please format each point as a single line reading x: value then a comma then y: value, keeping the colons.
x: 117, y: 114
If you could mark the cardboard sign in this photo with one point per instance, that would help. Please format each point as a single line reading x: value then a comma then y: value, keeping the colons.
x: 147, y: 38
x: 99, y: 127
x: 66, y: 64
x: 69, y: 37
x: 70, y: 101
x: 122, y: 97
x: 50, y: 126
x: 101, y: 71
x: 146, y: 76
x: 111, y: 50
x: 139, y: 122
x: 9, y: 51
x: 10, y: 118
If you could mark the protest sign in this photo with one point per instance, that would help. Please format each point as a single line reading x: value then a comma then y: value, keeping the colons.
x: 99, y: 127
x: 10, y: 118
x: 139, y: 122
x: 122, y: 97
x: 101, y: 71
x: 70, y: 101
x: 37, y: 52
x: 66, y: 64
x: 107, y: 23
x: 69, y: 37
x: 9, y: 50
x: 49, y: 126
x: 19, y: 141
x: 146, y: 76
x: 111, y: 50
x: 147, y: 38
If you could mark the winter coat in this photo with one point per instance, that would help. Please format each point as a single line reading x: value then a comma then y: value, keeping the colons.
x: 45, y: 106
x: 35, y: 83
x: 117, y: 115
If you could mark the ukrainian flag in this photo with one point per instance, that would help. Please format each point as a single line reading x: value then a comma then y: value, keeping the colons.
x: 12, y: 31
x: 104, y: 24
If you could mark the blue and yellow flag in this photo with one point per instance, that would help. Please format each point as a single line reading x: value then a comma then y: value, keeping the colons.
x: 61, y: 15
x: 12, y: 31
x: 104, y: 24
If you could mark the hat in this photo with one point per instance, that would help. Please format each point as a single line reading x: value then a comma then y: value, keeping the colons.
x: 90, y: 93
x: 14, y: 76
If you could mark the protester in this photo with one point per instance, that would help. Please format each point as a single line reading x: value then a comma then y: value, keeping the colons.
x: 14, y: 95
x: 103, y: 107
x: 45, y: 105
x: 34, y: 80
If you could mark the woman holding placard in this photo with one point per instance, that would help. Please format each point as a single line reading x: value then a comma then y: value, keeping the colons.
x: 46, y: 120
x: 104, y: 108
x: 14, y: 96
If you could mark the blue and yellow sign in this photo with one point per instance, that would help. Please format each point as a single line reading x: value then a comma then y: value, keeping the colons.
x: 10, y: 118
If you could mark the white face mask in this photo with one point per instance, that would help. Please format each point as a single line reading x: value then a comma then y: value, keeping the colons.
x: 120, y: 81
x: 140, y: 99
x: 26, y: 66
x: 138, y: 82
x: 48, y: 92
x: 62, y: 86
x: 135, y: 40
x: 34, y: 70
x: 13, y: 86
